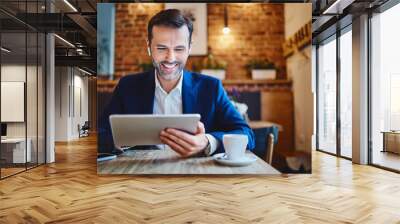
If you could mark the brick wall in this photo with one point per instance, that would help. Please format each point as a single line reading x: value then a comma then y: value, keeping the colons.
x: 257, y: 32
x: 131, y: 35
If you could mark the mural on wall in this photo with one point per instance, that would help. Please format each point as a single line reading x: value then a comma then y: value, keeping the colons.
x: 197, y: 12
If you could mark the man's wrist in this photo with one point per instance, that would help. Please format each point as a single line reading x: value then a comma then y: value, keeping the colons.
x: 212, y: 145
x: 207, y: 148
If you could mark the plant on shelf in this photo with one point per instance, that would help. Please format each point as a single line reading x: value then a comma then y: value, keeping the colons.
x: 211, y: 63
x: 261, y: 69
x: 260, y: 64
x: 211, y: 66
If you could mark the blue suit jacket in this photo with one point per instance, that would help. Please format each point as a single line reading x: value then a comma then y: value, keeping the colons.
x: 201, y: 94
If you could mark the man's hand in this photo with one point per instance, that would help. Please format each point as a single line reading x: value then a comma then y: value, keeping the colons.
x: 183, y: 143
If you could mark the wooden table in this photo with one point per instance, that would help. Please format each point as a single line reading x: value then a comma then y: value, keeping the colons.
x: 166, y: 161
x: 391, y: 141
x: 264, y: 124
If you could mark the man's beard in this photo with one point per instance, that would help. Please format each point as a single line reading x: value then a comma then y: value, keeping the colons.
x: 168, y: 76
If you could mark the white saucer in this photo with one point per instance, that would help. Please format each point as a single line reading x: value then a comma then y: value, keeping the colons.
x: 222, y: 159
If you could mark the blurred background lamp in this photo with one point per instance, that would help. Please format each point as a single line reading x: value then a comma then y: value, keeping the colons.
x: 226, y: 28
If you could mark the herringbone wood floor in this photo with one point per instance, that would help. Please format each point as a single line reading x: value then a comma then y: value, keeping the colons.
x: 70, y: 191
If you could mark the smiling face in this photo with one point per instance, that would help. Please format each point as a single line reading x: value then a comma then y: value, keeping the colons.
x: 169, y: 50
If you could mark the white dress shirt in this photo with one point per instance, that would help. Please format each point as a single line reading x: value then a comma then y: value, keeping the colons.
x: 171, y: 103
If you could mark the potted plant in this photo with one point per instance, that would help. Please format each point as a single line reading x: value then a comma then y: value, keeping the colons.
x: 212, y: 67
x: 261, y: 69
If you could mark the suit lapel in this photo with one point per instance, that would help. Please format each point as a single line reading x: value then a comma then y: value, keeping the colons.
x: 147, y: 93
x: 188, y: 93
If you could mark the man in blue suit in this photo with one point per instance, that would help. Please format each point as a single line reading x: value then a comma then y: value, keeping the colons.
x: 169, y: 89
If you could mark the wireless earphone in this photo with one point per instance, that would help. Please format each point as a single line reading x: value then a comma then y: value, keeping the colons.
x: 148, y: 51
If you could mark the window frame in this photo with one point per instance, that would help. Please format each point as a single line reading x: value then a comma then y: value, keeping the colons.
x: 381, y: 9
x: 334, y: 37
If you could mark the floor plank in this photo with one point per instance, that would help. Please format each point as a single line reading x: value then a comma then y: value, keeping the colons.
x: 70, y: 191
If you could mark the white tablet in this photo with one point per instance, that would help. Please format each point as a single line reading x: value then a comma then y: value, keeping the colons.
x: 131, y: 130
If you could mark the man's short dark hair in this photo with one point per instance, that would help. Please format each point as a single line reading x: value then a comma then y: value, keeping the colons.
x: 169, y: 18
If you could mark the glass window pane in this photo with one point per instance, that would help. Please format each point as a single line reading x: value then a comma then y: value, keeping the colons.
x: 13, y: 86
x: 346, y: 94
x: 385, y: 114
x: 23, y: 84
x: 327, y: 97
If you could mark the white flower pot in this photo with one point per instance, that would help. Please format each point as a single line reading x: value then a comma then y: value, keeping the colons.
x: 259, y: 74
x: 216, y: 73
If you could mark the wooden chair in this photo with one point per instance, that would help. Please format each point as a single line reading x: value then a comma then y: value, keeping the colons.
x: 270, y: 148
x: 265, y: 139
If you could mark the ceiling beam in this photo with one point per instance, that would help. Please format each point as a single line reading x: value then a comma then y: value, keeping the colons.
x: 84, y: 24
x: 82, y: 61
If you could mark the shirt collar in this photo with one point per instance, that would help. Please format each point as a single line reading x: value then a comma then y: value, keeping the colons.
x: 178, y: 87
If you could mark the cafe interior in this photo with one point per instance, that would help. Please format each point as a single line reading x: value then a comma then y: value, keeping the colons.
x: 251, y: 50
x: 315, y: 80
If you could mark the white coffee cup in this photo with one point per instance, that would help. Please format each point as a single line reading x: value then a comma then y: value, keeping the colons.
x: 235, y: 146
